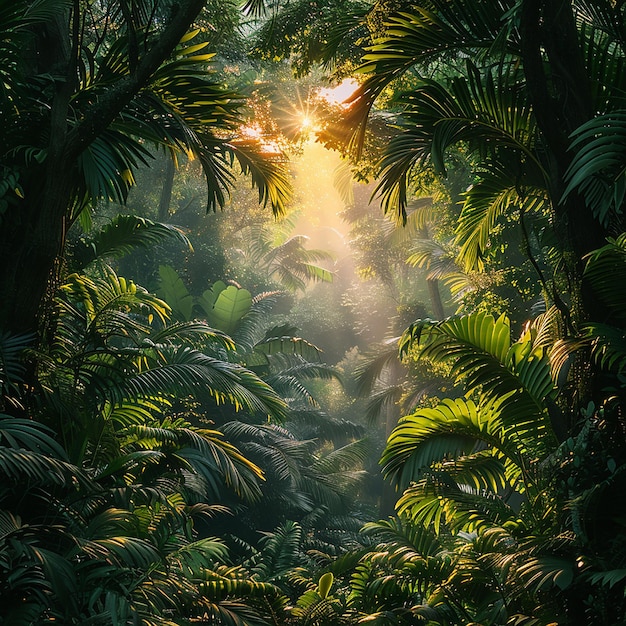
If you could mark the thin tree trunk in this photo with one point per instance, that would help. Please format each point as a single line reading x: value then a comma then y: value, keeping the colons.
x: 166, y: 191
x: 389, y: 495
x: 435, y: 298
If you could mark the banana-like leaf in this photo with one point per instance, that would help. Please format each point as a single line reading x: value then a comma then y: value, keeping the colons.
x: 173, y: 290
x: 224, y: 306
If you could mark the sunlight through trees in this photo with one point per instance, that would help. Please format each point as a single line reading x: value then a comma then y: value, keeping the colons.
x: 312, y: 313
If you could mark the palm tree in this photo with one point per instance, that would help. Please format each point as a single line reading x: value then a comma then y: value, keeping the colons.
x: 131, y: 77
x: 101, y: 527
x: 508, y: 109
x: 280, y: 259
x: 497, y: 467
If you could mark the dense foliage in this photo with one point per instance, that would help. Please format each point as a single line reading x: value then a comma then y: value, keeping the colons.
x: 173, y: 450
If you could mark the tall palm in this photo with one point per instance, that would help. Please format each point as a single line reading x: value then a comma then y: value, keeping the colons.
x: 131, y: 78
x: 508, y: 107
x: 281, y: 259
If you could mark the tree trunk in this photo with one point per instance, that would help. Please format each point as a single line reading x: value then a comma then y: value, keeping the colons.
x: 166, y: 191
x: 32, y: 234
x: 558, y: 88
x: 32, y: 242
x: 435, y: 298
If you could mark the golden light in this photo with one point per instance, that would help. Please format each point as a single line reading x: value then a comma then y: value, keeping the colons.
x: 340, y: 93
x: 255, y: 133
x: 308, y: 123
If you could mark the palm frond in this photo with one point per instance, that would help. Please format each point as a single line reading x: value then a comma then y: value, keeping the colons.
x: 381, y: 401
x: 104, y: 298
x: 478, y: 109
x: 606, y: 272
x: 20, y: 466
x: 314, y: 423
x: 345, y: 458
x: 343, y: 182
x: 547, y: 572
x: 196, y: 333
x: 603, y: 47
x: 252, y: 327
x: 435, y: 256
x: 481, y: 353
x: 597, y: 169
x: 275, y: 342
x: 186, y: 371
x: 494, y: 195
x: 438, y: 502
x: 17, y: 21
x: 452, y: 429
x: 105, y: 166
x: 307, y: 35
x: 19, y: 433
x: 280, y: 552
x: 371, y: 368
x: 256, y: 8
x: 12, y: 347
x: 420, y: 214
x: 607, y: 345
x: 420, y: 35
x: 511, y: 383
x: 126, y: 233
x: 408, y: 541
x: 268, y: 174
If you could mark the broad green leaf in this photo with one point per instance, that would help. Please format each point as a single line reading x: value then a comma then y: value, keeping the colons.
x: 225, y: 306
x: 173, y: 290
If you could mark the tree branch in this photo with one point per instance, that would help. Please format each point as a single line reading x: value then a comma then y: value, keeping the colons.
x: 108, y: 106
